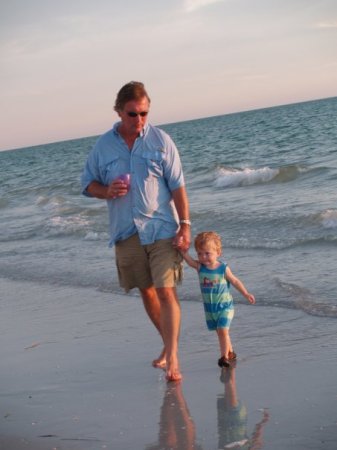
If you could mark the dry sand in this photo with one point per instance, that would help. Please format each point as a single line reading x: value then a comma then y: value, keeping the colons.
x: 76, y: 374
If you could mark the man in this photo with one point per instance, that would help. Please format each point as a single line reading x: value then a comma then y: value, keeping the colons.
x: 149, y: 220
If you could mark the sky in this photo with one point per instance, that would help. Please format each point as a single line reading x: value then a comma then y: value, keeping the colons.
x: 62, y: 62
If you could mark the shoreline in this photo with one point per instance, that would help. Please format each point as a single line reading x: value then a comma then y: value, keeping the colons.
x: 77, y: 375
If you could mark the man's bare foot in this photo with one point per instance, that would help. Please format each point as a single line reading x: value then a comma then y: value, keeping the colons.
x: 172, y: 371
x: 160, y: 362
x: 173, y: 375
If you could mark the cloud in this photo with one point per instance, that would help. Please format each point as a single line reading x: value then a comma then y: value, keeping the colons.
x: 193, y: 5
x: 332, y: 24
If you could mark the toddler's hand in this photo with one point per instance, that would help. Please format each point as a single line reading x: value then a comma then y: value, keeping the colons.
x: 251, y: 299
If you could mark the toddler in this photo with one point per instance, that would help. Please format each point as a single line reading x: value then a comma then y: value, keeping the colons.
x: 215, y: 278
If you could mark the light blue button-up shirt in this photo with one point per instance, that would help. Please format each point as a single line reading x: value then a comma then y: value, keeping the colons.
x: 155, y: 168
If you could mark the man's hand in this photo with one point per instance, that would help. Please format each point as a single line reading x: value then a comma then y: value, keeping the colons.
x: 117, y: 188
x: 182, y: 239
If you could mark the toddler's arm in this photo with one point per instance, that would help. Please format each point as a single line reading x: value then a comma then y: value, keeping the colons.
x: 190, y: 261
x: 239, y: 285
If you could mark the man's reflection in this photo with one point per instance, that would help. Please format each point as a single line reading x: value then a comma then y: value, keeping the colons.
x: 176, y: 427
x: 232, y: 418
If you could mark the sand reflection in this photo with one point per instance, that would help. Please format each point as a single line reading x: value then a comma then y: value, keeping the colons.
x: 232, y: 418
x: 176, y: 426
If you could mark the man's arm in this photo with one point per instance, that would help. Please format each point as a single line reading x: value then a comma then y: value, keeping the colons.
x: 97, y: 190
x: 182, y: 240
x: 116, y: 189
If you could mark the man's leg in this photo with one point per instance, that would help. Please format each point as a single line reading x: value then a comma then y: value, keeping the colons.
x: 152, y: 307
x: 170, y: 328
x: 166, y: 266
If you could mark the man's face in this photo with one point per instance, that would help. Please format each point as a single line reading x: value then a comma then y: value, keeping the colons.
x: 134, y: 116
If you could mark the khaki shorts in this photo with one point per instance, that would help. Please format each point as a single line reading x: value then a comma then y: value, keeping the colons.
x: 142, y: 266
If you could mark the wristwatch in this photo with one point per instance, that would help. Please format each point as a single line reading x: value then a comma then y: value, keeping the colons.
x: 185, y: 221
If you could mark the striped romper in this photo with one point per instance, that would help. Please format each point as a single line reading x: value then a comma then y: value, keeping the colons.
x: 218, y: 301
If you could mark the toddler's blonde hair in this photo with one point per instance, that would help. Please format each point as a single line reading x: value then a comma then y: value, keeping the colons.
x: 207, y: 237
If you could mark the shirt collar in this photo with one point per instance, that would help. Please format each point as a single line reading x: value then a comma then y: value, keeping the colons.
x: 142, y: 133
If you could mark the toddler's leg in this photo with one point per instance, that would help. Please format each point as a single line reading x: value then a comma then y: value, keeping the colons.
x: 224, y: 341
x: 225, y: 346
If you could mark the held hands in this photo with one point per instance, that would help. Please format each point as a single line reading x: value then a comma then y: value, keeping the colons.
x: 182, y: 239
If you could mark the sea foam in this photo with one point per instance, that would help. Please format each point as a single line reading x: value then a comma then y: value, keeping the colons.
x: 329, y: 218
x: 245, y: 177
x: 68, y: 225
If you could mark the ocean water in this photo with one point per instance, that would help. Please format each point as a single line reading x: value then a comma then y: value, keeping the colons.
x: 265, y: 180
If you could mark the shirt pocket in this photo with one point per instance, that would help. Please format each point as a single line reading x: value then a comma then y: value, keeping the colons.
x: 153, y: 163
x: 110, y: 170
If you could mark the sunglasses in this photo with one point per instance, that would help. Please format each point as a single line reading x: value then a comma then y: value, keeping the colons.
x: 134, y: 114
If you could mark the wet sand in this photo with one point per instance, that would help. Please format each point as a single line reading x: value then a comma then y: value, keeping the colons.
x: 76, y: 374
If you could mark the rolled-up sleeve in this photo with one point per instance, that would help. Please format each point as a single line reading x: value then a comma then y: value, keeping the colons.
x: 173, y: 169
x: 90, y: 172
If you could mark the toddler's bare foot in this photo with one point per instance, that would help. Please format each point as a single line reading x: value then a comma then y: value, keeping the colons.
x: 160, y: 362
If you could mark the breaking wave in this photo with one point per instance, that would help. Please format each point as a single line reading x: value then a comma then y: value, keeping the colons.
x: 230, y: 177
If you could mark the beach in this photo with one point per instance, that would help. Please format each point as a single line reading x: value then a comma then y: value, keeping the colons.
x: 76, y: 375
x: 76, y: 351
